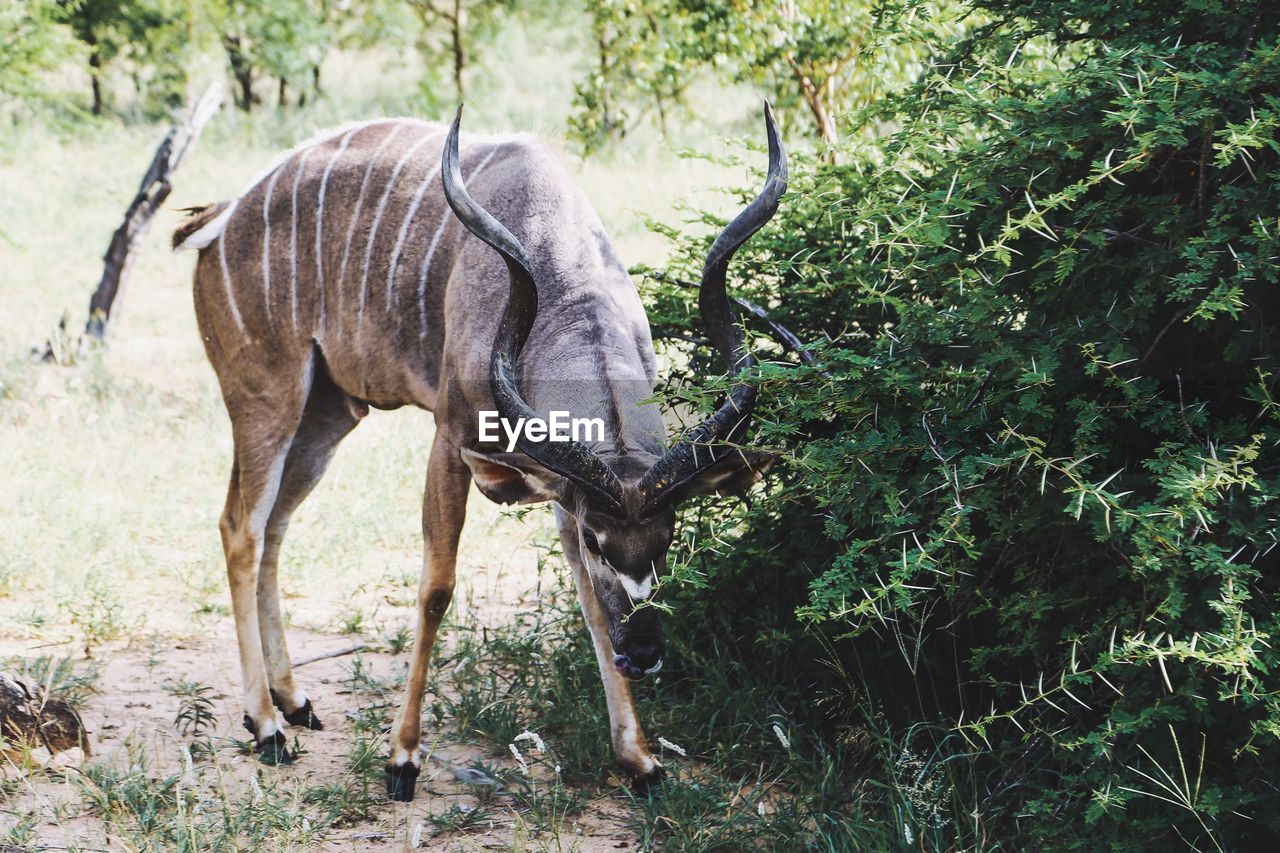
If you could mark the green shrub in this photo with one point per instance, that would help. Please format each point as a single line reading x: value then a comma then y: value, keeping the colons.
x: 1029, y: 510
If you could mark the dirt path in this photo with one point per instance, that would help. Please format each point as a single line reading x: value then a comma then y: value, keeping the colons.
x: 131, y: 719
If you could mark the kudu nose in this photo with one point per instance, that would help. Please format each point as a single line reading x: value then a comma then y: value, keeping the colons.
x: 627, y: 668
x: 639, y: 658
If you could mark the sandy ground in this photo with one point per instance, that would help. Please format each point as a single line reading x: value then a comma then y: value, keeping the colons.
x: 132, y: 707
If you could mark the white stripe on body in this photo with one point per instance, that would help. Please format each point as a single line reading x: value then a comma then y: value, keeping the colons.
x: 355, y: 215
x: 431, y: 250
x: 404, y: 229
x: 377, y: 218
x: 324, y: 185
x: 226, y: 282
x: 293, y: 239
x: 319, y: 138
x: 213, y: 230
x: 266, y: 237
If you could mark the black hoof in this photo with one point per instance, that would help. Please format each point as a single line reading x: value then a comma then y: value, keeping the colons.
x: 274, y: 751
x: 304, y: 716
x: 650, y: 784
x: 400, y: 781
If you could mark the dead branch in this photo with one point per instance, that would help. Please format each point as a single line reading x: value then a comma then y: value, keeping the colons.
x: 152, y: 192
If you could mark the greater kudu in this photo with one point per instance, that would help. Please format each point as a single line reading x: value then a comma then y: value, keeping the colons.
x: 339, y: 280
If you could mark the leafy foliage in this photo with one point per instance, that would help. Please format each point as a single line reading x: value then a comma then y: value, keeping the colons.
x: 195, y: 714
x: 815, y: 58
x: 33, y: 44
x: 71, y: 681
x: 150, y: 36
x: 285, y: 39
x: 1031, y: 493
x: 639, y: 61
x: 452, y: 31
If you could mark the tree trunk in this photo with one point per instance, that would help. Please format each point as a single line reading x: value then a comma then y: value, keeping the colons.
x: 822, y: 117
x: 247, y: 98
x: 459, y: 55
x: 282, y: 100
x: 95, y: 77
x: 152, y: 192
x: 241, y: 70
x: 611, y: 123
x: 315, y: 80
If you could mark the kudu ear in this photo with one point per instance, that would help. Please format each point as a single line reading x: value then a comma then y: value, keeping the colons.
x: 732, y: 475
x: 513, y: 478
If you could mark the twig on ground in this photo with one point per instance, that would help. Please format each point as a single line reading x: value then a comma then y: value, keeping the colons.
x: 336, y: 653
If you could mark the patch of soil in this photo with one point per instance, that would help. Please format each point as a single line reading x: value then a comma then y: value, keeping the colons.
x: 132, y: 713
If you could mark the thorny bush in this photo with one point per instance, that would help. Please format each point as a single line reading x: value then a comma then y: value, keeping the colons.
x: 1029, y: 497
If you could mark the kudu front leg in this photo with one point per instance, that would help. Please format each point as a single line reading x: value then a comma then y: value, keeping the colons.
x: 443, y: 512
x: 628, y: 738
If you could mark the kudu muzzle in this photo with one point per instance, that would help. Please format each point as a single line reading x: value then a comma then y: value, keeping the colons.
x: 638, y: 644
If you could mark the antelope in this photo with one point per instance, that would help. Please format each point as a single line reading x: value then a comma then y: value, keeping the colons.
x: 339, y: 281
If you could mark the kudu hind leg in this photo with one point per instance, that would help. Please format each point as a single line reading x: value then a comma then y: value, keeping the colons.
x: 444, y: 509
x: 628, y: 738
x: 255, y: 479
x: 263, y: 435
x: 326, y: 421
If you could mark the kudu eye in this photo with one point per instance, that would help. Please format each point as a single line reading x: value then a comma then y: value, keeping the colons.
x: 590, y: 540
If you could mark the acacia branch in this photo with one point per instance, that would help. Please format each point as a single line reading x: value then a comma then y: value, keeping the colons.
x: 784, y: 336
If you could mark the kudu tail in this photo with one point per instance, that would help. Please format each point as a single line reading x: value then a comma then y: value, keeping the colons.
x: 202, y: 226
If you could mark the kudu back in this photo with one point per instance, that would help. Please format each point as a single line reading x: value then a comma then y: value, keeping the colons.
x: 395, y: 263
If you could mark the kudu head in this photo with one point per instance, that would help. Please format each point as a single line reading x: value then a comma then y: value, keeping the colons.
x: 624, y: 511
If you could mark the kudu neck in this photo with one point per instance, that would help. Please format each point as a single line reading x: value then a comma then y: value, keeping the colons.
x: 590, y: 352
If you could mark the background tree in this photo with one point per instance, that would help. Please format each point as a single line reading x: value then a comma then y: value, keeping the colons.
x: 35, y: 41
x: 284, y: 39
x: 371, y: 25
x: 151, y: 33
x: 452, y: 31
x: 816, y: 55
x: 826, y: 57
x: 638, y: 63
